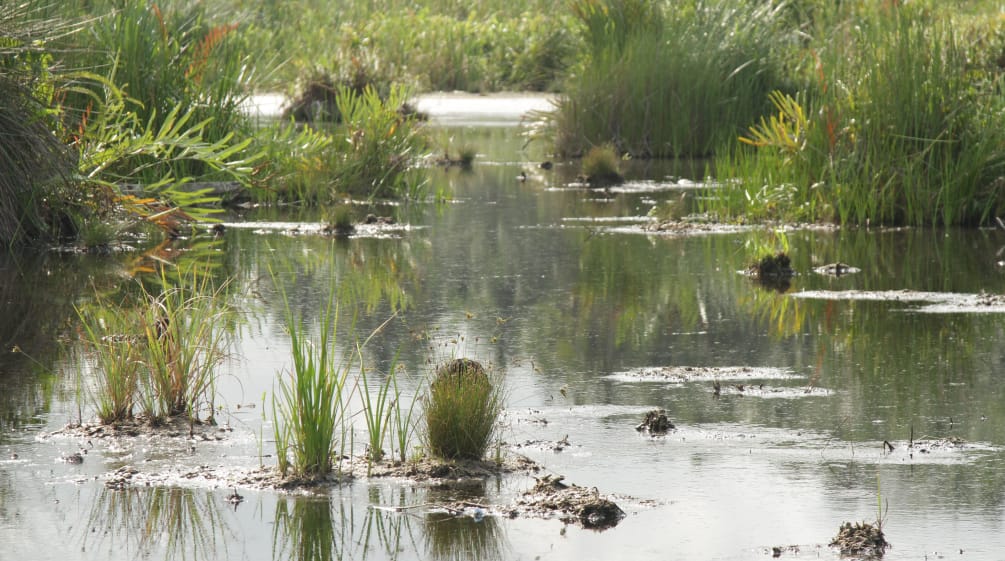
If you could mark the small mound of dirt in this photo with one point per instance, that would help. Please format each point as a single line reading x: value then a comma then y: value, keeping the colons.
x: 773, y: 272
x: 551, y: 497
x: 861, y: 538
x: 172, y: 427
x: 656, y: 422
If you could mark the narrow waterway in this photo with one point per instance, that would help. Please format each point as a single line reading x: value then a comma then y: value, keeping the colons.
x: 590, y: 323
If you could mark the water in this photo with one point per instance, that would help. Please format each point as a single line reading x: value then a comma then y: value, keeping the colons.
x: 554, y: 289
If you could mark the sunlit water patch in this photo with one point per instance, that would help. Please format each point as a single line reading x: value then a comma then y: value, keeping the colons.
x: 930, y: 302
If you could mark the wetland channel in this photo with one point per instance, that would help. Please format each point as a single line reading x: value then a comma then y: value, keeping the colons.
x: 591, y: 322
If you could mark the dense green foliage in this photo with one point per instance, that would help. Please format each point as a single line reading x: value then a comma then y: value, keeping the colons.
x: 894, y: 125
x: 853, y: 112
x: 661, y: 82
x: 462, y: 408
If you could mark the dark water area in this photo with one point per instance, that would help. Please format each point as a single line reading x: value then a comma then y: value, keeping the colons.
x: 591, y: 323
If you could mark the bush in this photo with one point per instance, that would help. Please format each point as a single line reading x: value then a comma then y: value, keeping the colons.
x: 461, y: 411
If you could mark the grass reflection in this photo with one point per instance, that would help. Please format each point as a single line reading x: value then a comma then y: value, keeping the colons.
x: 162, y: 523
x: 459, y: 538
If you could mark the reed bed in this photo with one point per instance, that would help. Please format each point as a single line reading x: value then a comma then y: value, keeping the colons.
x: 660, y: 82
x: 894, y: 126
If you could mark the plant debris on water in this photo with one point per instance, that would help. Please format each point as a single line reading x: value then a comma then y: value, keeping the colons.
x: 552, y: 497
x: 656, y: 422
x: 861, y: 538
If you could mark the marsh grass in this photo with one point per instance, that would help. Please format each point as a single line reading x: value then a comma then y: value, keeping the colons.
x: 158, y: 352
x: 893, y: 126
x: 310, y: 406
x: 668, y: 83
x: 601, y: 166
x: 185, y: 342
x: 402, y: 419
x: 378, y: 408
x: 461, y: 410
x: 115, y: 361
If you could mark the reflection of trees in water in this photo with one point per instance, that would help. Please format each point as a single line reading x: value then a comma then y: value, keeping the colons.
x: 162, y: 523
x: 37, y: 293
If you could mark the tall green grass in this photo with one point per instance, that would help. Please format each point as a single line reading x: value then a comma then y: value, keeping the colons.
x: 668, y: 82
x: 310, y: 405
x: 891, y: 128
x: 370, y: 153
x: 157, y: 352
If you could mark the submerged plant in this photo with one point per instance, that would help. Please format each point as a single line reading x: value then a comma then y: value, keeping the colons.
x: 462, y: 408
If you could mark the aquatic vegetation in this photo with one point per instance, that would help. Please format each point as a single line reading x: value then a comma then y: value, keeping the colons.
x: 601, y: 166
x: 114, y: 354
x: 659, y: 82
x: 377, y: 412
x: 182, y: 328
x: 461, y: 410
x: 310, y: 406
x: 893, y: 126
x: 170, y: 61
x: 340, y: 220
x: 157, y: 352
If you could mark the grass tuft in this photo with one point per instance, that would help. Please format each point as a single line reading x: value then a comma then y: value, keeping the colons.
x: 462, y: 408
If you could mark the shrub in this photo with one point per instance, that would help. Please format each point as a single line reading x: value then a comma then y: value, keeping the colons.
x: 462, y: 408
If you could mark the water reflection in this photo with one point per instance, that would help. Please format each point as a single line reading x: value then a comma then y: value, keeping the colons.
x: 449, y: 537
x: 166, y: 523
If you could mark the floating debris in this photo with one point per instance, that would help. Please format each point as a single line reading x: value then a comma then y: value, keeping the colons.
x: 656, y: 422
x: 862, y: 539
x: 551, y: 496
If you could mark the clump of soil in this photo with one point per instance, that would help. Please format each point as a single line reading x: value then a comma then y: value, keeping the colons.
x: 656, y: 422
x: 773, y: 272
x: 861, y: 538
x: 171, y: 427
x: 775, y: 266
x: 550, y: 496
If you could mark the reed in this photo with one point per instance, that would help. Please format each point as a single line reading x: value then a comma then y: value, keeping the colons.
x: 403, y: 419
x: 377, y: 411
x: 113, y: 353
x: 184, y: 343
x: 668, y: 83
x: 157, y: 352
x: 311, y: 403
x: 891, y: 128
x: 461, y: 411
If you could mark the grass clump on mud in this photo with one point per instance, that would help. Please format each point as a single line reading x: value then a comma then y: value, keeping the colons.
x: 157, y: 354
x: 461, y: 412
x: 601, y: 167
x: 310, y: 406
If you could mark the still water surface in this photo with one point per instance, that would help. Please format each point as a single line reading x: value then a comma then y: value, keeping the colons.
x: 573, y: 306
